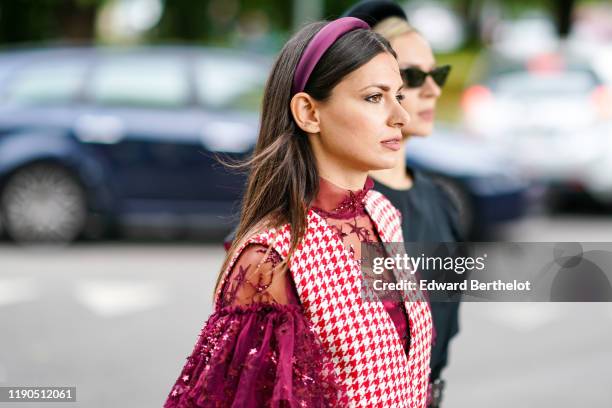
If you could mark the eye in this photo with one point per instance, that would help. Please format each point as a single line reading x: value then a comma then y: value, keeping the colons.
x: 400, y: 97
x: 374, y: 98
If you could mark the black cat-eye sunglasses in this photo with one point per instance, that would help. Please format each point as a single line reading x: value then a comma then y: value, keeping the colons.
x: 414, y: 77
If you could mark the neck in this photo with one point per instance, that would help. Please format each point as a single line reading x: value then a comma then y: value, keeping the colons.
x: 342, y: 175
x: 395, y: 177
x: 345, y: 181
x: 341, y: 172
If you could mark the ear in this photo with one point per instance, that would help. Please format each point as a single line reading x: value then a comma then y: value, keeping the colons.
x: 305, y: 112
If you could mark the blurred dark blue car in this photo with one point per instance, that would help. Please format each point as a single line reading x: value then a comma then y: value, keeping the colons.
x: 482, y: 179
x: 129, y: 135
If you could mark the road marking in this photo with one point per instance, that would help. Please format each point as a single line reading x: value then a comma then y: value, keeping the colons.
x: 115, y: 298
x: 16, y: 290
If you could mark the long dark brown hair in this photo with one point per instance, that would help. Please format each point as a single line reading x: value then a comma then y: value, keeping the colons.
x: 283, y: 177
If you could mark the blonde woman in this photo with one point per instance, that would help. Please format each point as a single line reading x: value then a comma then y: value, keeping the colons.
x: 428, y: 214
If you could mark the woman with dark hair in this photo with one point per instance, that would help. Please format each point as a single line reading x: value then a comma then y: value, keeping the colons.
x: 290, y: 326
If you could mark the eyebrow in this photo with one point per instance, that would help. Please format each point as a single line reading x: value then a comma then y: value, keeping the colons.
x: 384, y: 87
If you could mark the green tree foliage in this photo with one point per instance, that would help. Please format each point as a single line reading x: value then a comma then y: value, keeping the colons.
x: 44, y: 20
x: 194, y: 20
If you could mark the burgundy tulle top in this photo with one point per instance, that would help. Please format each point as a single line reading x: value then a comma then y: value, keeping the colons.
x: 257, y: 348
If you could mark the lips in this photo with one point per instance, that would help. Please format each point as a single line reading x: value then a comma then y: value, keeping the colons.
x: 427, y: 115
x: 392, y: 144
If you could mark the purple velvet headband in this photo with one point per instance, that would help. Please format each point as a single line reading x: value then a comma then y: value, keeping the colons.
x: 319, y: 44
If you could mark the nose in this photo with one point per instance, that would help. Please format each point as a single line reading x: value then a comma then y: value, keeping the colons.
x: 398, y: 117
x: 430, y: 88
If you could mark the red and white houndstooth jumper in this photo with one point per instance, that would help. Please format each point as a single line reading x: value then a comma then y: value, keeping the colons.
x: 359, y: 335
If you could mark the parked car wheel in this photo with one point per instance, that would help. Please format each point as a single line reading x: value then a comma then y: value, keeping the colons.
x: 43, y: 203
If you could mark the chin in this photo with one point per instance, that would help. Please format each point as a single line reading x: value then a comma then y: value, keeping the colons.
x: 387, y: 164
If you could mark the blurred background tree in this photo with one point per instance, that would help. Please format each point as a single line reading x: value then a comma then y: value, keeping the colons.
x: 45, y: 20
x: 215, y: 21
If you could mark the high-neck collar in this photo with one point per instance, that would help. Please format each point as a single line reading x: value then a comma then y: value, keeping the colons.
x: 338, y: 201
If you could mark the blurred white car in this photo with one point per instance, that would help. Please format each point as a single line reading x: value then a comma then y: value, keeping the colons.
x: 525, y: 37
x: 553, y: 118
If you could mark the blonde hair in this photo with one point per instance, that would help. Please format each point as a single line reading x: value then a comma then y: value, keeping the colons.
x: 392, y: 27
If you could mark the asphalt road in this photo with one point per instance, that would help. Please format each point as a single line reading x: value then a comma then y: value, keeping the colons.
x: 116, y: 320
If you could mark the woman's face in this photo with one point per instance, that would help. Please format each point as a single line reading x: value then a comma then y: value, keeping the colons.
x: 413, y: 51
x: 360, y: 123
